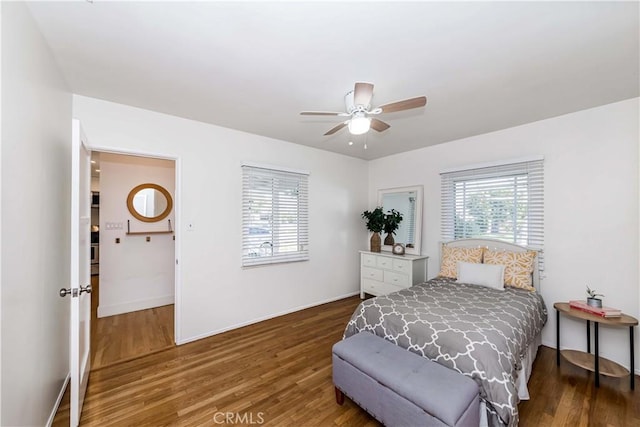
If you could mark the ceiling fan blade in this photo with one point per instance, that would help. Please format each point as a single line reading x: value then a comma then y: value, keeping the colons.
x: 362, y: 93
x: 407, y: 104
x: 322, y: 113
x: 336, y: 129
x: 379, y: 125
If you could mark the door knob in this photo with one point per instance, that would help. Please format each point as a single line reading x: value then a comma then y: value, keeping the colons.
x: 74, y: 292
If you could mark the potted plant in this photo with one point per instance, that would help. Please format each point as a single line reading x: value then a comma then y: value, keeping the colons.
x: 375, y: 224
x: 392, y: 221
x: 592, y: 298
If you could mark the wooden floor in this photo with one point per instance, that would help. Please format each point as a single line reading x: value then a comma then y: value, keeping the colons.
x: 278, y: 372
x: 115, y: 339
x: 131, y: 335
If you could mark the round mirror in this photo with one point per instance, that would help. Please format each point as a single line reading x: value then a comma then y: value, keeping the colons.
x: 149, y: 202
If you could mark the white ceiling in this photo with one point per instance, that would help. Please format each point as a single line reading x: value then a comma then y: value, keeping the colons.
x: 255, y: 66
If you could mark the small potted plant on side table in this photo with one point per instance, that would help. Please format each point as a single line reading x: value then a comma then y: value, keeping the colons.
x: 592, y: 298
x: 375, y: 224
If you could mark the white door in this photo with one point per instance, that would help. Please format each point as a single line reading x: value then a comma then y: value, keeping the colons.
x: 80, y: 289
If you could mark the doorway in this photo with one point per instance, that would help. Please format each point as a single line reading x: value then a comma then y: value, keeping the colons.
x: 133, y: 263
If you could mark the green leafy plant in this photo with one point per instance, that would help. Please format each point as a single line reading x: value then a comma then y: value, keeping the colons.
x: 591, y: 293
x: 392, y: 221
x: 375, y: 219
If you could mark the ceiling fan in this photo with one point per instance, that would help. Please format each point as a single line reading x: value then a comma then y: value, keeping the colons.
x: 358, y: 106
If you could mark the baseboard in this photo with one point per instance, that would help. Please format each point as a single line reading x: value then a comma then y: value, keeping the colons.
x: 128, y: 307
x: 552, y: 345
x: 58, y: 400
x: 262, y: 319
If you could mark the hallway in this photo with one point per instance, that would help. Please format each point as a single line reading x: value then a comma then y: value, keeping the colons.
x: 127, y: 336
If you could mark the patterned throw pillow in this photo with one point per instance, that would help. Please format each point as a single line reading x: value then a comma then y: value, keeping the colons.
x: 518, y: 267
x: 451, y: 256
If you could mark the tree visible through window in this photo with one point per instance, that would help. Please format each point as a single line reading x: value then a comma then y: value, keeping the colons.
x: 504, y: 202
x: 492, y: 208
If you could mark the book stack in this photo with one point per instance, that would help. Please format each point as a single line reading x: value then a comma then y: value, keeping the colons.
x: 598, y: 311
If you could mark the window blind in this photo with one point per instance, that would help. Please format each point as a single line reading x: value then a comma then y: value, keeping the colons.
x: 411, y: 221
x: 274, y: 216
x: 503, y: 202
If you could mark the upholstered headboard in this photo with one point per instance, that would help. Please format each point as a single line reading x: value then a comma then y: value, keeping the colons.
x: 496, y: 245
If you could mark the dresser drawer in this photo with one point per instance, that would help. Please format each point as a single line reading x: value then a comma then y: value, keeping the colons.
x: 372, y: 273
x: 369, y: 260
x: 378, y: 288
x: 384, y: 262
x: 383, y: 273
x: 402, y: 265
x: 397, y: 279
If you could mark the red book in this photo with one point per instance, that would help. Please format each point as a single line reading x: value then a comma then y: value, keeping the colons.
x: 598, y: 311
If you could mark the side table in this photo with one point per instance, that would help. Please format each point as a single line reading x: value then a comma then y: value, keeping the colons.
x: 594, y: 363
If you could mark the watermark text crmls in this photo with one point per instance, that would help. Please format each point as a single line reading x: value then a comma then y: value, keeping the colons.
x: 255, y: 418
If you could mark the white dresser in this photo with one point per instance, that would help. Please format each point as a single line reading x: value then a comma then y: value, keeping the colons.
x: 382, y: 272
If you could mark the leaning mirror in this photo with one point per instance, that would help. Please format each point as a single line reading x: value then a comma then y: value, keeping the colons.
x: 149, y: 202
x: 408, y: 202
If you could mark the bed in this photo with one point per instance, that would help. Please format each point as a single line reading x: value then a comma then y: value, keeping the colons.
x: 487, y: 334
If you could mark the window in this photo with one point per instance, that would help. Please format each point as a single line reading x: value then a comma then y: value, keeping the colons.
x: 274, y: 216
x: 503, y: 202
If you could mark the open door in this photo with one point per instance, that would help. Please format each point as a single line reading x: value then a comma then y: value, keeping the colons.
x: 80, y: 287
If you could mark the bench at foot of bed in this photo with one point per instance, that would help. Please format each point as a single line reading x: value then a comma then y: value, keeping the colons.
x: 400, y: 388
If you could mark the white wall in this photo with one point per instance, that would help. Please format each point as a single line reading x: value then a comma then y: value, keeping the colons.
x: 591, y: 207
x: 36, y: 179
x: 95, y: 184
x: 217, y: 294
x: 0, y: 221
x: 134, y: 274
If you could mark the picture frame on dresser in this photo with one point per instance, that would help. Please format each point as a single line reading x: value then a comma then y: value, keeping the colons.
x: 407, y: 201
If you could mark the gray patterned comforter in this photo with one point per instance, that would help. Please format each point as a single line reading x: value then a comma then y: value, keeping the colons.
x: 481, y: 332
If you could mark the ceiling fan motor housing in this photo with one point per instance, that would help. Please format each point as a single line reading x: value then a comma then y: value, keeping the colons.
x: 351, y: 107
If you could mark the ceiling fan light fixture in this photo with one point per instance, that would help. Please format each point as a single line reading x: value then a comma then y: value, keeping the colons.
x: 359, y: 125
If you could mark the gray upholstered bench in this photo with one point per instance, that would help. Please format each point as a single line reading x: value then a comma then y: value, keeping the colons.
x: 400, y: 388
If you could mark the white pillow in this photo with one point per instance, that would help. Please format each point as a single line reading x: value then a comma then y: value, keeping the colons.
x: 488, y: 275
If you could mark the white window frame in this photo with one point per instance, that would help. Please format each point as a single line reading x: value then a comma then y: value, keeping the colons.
x: 479, y: 179
x: 275, y: 215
